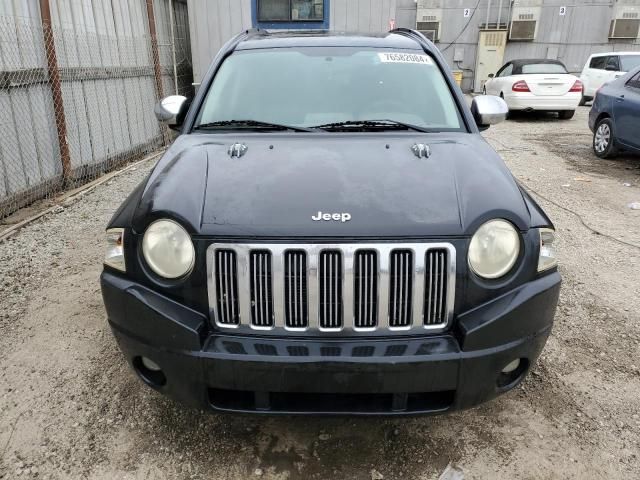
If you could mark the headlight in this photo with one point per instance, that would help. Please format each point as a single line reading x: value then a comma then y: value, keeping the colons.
x: 168, y: 250
x: 494, y: 249
x: 114, y: 257
x: 547, y: 257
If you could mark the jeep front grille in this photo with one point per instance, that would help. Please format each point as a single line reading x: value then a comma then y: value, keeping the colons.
x: 332, y: 289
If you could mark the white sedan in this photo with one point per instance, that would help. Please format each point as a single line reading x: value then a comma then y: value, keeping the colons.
x: 543, y: 85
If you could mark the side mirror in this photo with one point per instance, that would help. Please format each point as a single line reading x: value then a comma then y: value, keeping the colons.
x: 168, y: 110
x: 491, y: 75
x: 488, y: 110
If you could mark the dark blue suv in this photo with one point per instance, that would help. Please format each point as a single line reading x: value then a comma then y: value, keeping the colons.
x: 615, y: 116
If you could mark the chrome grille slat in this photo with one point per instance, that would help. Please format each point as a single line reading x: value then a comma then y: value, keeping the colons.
x: 334, y: 289
x: 261, y: 289
x: 401, y: 271
x: 226, y: 285
x: 330, y: 275
x: 436, y: 293
x: 366, y: 289
x: 295, y: 290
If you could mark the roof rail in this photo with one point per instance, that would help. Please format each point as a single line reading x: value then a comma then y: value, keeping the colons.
x: 256, y: 32
x: 423, y: 41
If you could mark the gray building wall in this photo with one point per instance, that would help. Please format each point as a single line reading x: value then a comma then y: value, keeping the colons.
x: 570, y: 38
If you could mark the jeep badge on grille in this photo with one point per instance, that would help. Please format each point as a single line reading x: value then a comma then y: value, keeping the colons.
x: 327, y: 217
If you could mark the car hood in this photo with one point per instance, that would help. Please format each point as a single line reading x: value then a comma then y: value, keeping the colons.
x: 283, y: 180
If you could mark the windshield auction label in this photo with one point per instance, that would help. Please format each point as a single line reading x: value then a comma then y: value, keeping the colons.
x: 405, y: 58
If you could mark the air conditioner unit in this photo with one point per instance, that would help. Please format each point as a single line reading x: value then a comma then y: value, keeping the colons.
x: 625, y: 23
x: 428, y: 23
x: 524, y: 23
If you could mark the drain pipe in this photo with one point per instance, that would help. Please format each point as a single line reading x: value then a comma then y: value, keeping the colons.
x: 499, y: 15
x: 486, y: 23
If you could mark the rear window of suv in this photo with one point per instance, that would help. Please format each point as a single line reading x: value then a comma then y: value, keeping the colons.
x: 311, y: 86
x: 629, y: 62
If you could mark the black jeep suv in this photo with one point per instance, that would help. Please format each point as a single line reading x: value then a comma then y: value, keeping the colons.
x: 330, y: 234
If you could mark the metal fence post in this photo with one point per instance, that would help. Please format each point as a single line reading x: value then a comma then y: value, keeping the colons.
x: 56, y: 89
x: 154, y: 47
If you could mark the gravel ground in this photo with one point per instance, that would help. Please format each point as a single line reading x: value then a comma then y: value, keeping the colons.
x: 70, y: 408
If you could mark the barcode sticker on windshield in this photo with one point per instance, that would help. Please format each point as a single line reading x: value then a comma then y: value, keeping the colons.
x: 405, y: 58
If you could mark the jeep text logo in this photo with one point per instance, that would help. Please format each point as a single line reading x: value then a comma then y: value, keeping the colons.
x: 338, y: 217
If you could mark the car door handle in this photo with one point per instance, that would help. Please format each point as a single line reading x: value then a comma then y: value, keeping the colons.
x: 620, y: 98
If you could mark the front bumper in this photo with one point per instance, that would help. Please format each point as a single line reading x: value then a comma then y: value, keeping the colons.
x: 394, y: 375
x: 529, y: 101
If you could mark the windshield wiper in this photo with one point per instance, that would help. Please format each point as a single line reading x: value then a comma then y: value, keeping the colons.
x: 374, y: 125
x: 250, y: 124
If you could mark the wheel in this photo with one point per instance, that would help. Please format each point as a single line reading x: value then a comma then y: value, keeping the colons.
x: 583, y: 101
x: 603, y: 139
x: 566, y: 114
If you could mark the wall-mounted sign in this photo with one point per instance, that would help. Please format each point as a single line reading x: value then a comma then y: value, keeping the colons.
x: 467, y: 12
x: 563, y: 11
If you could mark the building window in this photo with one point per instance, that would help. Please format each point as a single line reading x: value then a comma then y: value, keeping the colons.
x: 291, y: 14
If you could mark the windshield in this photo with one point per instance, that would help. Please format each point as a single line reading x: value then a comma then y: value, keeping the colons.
x: 317, y: 86
x: 544, y: 68
x: 629, y: 62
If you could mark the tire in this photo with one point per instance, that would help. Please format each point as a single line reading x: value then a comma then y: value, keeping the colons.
x: 509, y: 114
x: 566, y: 114
x: 604, y: 139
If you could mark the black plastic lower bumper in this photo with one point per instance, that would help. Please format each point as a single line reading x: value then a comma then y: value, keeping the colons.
x: 320, y: 376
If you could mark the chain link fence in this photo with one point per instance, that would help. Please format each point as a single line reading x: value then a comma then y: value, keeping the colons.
x: 77, y: 89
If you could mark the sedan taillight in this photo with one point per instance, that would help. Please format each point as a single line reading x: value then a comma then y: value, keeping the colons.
x: 577, y: 87
x: 520, y: 86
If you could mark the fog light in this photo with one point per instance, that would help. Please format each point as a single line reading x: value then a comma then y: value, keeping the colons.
x: 512, y: 373
x: 510, y: 367
x: 154, y: 367
x: 149, y: 371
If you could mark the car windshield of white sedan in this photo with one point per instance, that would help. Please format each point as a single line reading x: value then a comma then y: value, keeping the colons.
x: 629, y: 62
x: 317, y: 87
x: 543, y: 68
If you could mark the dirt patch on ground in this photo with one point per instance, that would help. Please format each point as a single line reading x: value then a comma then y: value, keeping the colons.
x: 70, y: 407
